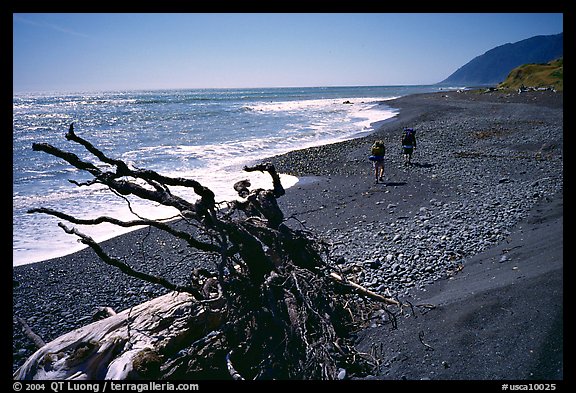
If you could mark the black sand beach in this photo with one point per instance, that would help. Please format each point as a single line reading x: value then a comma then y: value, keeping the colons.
x: 471, y: 234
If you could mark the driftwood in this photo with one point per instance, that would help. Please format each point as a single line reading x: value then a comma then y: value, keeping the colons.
x: 102, y: 312
x: 275, y: 308
x: 124, y: 345
x: 364, y: 291
x: 36, y: 339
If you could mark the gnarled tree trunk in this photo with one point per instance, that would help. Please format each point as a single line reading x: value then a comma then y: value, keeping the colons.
x: 275, y: 308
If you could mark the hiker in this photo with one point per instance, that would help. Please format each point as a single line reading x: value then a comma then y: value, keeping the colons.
x: 408, y: 144
x: 378, y: 150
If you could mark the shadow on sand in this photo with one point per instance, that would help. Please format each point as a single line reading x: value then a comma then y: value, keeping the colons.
x: 422, y: 165
x: 392, y: 184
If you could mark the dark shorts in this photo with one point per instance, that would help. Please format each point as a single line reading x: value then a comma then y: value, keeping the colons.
x: 407, y: 149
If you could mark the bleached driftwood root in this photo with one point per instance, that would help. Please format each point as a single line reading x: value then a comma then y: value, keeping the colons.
x: 363, y: 291
x: 125, y: 345
x: 284, y: 318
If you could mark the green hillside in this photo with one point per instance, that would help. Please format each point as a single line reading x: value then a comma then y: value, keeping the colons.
x: 536, y: 76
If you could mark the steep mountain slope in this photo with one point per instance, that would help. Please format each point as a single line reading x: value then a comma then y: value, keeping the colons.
x: 494, y: 66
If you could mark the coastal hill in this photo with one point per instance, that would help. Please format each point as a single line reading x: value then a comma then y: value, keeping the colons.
x: 494, y: 66
x: 536, y: 75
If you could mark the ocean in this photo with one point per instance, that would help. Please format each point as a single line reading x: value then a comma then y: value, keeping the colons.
x: 204, y: 134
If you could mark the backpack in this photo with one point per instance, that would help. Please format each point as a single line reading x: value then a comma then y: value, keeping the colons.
x: 408, y: 138
x: 378, y: 149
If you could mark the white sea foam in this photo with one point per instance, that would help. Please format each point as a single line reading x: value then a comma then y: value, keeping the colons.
x: 206, y: 135
x: 52, y: 242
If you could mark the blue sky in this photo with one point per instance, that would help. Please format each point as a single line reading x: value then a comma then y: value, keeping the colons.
x: 119, y: 51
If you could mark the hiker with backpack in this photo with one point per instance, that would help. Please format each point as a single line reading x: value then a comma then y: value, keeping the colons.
x: 408, y: 144
x: 377, y: 157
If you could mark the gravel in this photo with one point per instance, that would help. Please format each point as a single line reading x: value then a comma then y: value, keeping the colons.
x: 473, y: 178
x: 483, y: 161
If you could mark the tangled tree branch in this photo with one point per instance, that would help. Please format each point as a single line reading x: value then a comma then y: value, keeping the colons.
x: 192, y: 241
x: 276, y: 306
x: 36, y: 339
x: 124, y: 268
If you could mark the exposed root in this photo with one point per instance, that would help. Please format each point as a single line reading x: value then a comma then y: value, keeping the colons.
x: 273, y: 309
x: 36, y: 339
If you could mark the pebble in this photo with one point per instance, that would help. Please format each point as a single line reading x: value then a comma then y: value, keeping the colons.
x: 488, y: 187
x: 491, y: 195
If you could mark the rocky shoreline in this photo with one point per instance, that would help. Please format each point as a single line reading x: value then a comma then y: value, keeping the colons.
x: 485, y: 161
x: 474, y: 177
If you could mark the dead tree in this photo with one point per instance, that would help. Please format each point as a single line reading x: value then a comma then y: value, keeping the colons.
x: 276, y: 308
